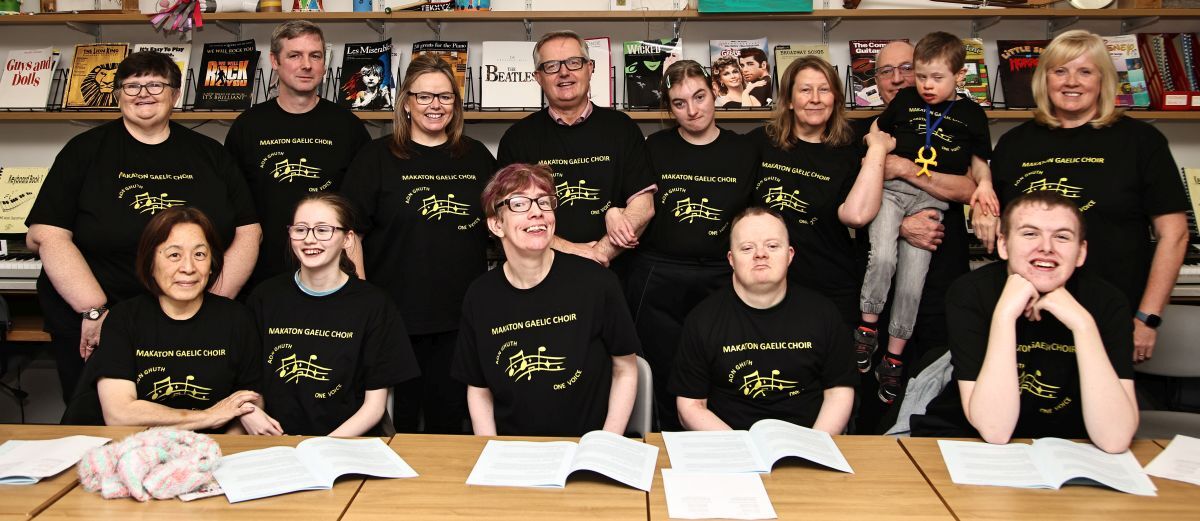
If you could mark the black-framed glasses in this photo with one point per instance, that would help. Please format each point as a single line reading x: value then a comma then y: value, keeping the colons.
x: 154, y: 88
x: 323, y: 232
x: 906, y: 69
x: 522, y: 204
x: 573, y: 63
x: 425, y: 98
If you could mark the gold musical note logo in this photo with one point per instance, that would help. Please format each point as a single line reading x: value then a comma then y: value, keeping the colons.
x: 687, y: 211
x: 1061, y: 187
x: 287, y: 171
x: 167, y: 388
x: 755, y: 385
x: 521, y: 365
x: 432, y: 207
x: 568, y: 194
x: 778, y: 200
x: 292, y: 369
x: 144, y: 202
x: 1031, y: 384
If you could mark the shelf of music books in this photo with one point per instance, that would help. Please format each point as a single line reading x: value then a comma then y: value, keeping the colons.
x: 688, y: 15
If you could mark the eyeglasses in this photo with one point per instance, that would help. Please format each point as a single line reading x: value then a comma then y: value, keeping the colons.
x: 154, y: 88
x: 906, y: 69
x: 522, y: 204
x: 323, y: 232
x: 425, y: 98
x: 573, y: 63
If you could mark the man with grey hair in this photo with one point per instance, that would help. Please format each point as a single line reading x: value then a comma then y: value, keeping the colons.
x: 294, y: 144
x: 598, y: 155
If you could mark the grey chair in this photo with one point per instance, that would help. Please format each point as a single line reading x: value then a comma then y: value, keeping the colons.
x: 1176, y: 354
x: 641, y: 420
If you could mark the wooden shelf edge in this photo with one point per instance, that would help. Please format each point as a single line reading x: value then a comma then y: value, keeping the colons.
x: 499, y: 16
x: 484, y: 116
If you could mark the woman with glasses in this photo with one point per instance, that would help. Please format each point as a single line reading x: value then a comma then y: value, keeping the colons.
x: 332, y: 344
x: 104, y: 187
x: 814, y: 172
x: 705, y: 176
x: 175, y: 355
x: 417, y: 191
x: 546, y: 346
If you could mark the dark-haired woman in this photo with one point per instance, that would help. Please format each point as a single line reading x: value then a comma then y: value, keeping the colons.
x: 332, y: 344
x: 705, y: 176
x: 104, y: 187
x: 813, y: 172
x: 176, y: 356
x: 424, y: 236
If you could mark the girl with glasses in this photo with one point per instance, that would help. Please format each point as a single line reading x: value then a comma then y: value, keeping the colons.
x: 417, y: 191
x: 546, y: 346
x: 332, y: 344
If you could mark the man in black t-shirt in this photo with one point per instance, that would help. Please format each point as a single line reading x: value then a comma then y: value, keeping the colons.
x: 761, y: 348
x: 601, y: 172
x: 294, y: 144
x: 1038, y: 349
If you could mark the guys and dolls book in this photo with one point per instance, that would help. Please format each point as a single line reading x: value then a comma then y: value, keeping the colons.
x: 26, y: 77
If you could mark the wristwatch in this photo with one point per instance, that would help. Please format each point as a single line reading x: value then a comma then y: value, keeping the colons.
x: 94, y: 313
x: 1151, y: 320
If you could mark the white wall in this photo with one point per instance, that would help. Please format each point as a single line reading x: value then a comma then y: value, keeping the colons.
x: 36, y: 143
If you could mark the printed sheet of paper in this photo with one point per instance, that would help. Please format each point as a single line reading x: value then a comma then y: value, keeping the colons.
x: 778, y: 439
x: 1180, y: 461
x: 975, y: 463
x: 1084, y: 463
x: 713, y: 451
x: 523, y: 464
x: 629, y: 461
x: 25, y: 462
x: 700, y: 495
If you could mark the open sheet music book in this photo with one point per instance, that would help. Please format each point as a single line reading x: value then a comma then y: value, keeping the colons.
x: 756, y: 450
x: 25, y: 462
x: 313, y: 464
x: 548, y: 463
x: 1047, y: 463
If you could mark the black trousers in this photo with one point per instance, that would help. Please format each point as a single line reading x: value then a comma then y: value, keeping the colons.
x: 661, y: 292
x: 441, y: 400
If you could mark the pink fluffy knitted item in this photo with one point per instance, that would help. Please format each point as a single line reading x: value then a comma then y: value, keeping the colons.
x: 162, y: 463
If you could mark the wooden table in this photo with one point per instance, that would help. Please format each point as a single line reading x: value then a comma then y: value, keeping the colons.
x: 441, y: 492
x: 1175, y: 500
x: 312, y: 504
x: 25, y: 501
x: 885, y: 485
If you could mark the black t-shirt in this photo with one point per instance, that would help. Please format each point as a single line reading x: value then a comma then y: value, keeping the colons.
x: 763, y: 92
x: 806, y: 185
x: 752, y: 364
x: 1046, y: 363
x: 322, y: 354
x: 545, y: 352
x: 104, y: 187
x: 962, y: 134
x: 182, y: 364
x: 597, y: 164
x: 1120, y: 176
x: 286, y: 156
x: 700, y: 190
x: 425, y: 238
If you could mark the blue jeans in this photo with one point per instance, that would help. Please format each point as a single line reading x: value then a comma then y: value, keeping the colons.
x: 890, y: 254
